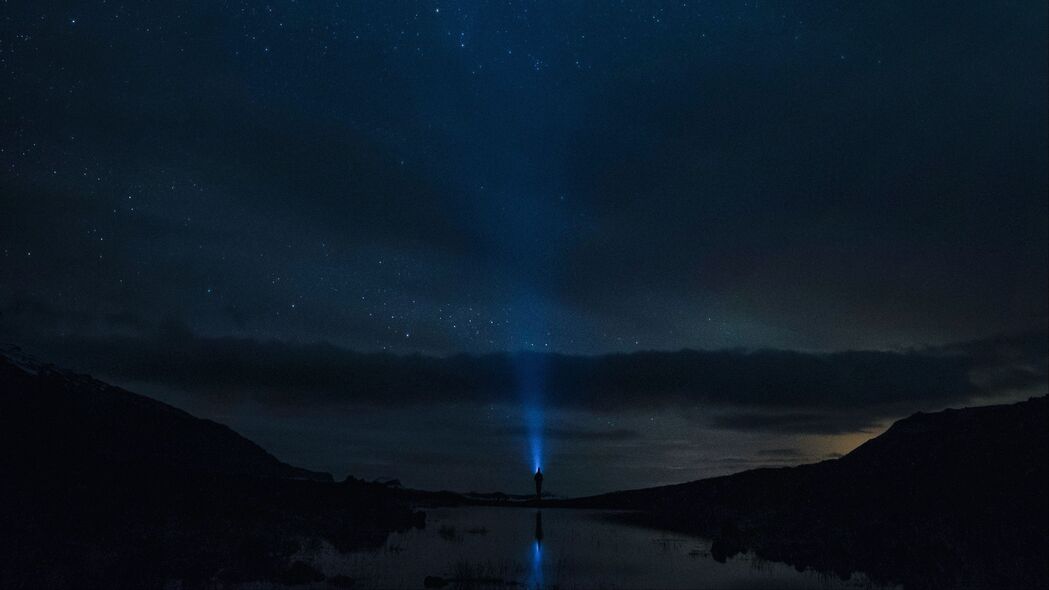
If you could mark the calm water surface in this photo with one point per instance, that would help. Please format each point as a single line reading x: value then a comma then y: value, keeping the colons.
x: 486, y: 547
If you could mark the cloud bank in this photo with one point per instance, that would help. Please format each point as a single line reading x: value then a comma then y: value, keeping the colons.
x: 750, y: 390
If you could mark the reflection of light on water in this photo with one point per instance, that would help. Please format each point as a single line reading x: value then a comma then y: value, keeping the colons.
x: 536, y: 579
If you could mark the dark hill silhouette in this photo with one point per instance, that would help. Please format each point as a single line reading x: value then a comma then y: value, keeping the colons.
x: 103, y: 488
x: 958, y: 498
x: 100, y: 423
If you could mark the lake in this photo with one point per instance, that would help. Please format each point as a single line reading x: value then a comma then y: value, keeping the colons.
x: 492, y: 547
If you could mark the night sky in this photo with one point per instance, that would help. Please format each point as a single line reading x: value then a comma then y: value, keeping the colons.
x: 377, y: 237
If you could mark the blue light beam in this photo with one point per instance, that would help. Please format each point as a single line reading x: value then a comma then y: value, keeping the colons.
x: 531, y: 378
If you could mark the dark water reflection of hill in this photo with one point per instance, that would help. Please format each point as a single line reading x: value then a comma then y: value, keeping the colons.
x: 491, y: 547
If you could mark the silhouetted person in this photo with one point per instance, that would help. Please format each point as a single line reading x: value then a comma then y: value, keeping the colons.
x: 539, y: 527
x: 538, y: 484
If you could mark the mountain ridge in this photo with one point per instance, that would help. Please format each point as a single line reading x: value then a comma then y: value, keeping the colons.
x: 123, y: 426
x: 105, y: 488
x: 941, y: 499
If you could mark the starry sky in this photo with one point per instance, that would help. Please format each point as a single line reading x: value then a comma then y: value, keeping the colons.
x: 720, y: 233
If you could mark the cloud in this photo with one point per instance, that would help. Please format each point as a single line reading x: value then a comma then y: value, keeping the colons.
x: 750, y: 390
x: 826, y: 422
x: 1016, y: 362
x: 579, y: 434
x: 792, y: 452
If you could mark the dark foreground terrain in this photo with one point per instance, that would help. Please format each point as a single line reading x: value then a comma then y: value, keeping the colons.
x: 954, y: 499
x: 103, y: 488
